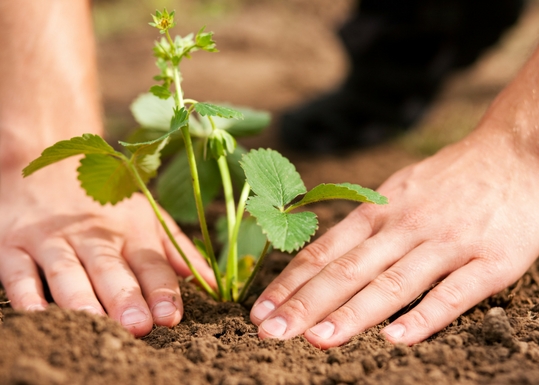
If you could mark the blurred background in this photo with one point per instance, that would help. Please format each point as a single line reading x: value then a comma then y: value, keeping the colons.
x: 276, y: 55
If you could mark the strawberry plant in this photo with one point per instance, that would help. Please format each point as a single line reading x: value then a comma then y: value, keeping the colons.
x: 202, y: 138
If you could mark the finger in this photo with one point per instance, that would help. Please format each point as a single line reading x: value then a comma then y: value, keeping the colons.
x: 460, y: 291
x: 333, y: 286
x: 114, y: 282
x: 391, y: 290
x: 20, y: 277
x: 68, y: 283
x: 190, y: 251
x: 158, y: 282
x: 310, y: 261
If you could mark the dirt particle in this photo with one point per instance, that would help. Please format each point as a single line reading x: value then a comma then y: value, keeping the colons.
x: 400, y: 350
x: 454, y: 341
x: 109, y: 342
x: 496, y: 327
x: 200, y: 350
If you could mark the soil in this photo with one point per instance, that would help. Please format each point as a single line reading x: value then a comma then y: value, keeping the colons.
x: 496, y: 342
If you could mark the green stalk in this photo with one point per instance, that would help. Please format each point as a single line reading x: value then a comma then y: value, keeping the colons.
x: 232, y: 262
x: 232, y: 266
x: 178, y: 97
x: 161, y: 220
x: 200, y: 206
x: 257, y: 268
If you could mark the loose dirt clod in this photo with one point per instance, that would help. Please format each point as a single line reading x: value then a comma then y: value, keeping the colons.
x: 496, y: 327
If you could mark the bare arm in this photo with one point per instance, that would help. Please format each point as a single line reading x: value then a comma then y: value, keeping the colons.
x: 49, y: 79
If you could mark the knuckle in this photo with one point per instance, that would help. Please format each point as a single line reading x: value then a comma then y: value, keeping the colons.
x: 316, y: 254
x: 348, y: 315
x: 392, y: 281
x: 419, y: 319
x: 299, y: 307
x: 61, y: 267
x: 449, y: 296
x: 346, y: 269
x: 277, y: 292
x: 105, y: 264
x: 149, y: 265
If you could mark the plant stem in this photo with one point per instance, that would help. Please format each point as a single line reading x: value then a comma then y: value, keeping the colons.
x: 178, y: 98
x: 258, y: 266
x: 232, y: 263
x: 190, y: 101
x: 178, y: 95
x: 232, y: 258
x: 200, y: 206
x: 161, y: 220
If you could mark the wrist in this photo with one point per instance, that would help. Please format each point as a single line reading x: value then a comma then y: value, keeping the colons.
x: 513, y: 117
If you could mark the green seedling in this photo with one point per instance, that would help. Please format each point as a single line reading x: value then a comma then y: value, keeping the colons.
x: 203, y: 159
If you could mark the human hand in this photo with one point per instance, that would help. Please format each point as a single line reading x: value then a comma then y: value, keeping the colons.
x: 113, y: 260
x: 466, y: 218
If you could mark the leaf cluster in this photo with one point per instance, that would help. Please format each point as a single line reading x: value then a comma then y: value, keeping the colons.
x: 277, y: 184
x: 210, y: 140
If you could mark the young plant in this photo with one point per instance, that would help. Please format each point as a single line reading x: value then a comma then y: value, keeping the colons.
x: 201, y: 137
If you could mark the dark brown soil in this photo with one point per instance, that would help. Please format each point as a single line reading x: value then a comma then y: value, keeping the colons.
x: 496, y: 342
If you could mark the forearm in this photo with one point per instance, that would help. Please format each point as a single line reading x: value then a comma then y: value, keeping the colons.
x: 514, y: 114
x: 48, y: 89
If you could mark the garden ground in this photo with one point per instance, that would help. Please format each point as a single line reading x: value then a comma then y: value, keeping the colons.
x: 275, y: 55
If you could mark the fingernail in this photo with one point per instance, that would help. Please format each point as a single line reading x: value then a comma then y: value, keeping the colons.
x: 323, y: 330
x: 395, y: 331
x: 133, y: 316
x: 262, y: 310
x: 274, y: 326
x: 164, y: 309
x: 90, y: 309
x: 35, y: 308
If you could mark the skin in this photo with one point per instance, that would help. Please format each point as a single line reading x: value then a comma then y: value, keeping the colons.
x: 466, y: 219
x: 101, y: 259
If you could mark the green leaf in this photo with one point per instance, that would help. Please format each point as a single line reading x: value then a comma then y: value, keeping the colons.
x: 142, y: 135
x: 161, y: 92
x: 175, y: 190
x: 207, y: 109
x: 110, y: 179
x: 272, y: 176
x: 106, y: 179
x: 348, y: 191
x: 251, y: 239
x: 204, y: 40
x: 252, y: 124
x: 151, y: 112
x: 220, y: 143
x: 85, y: 144
x: 236, y: 172
x: 286, y: 231
x: 147, y: 159
x: 179, y: 120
